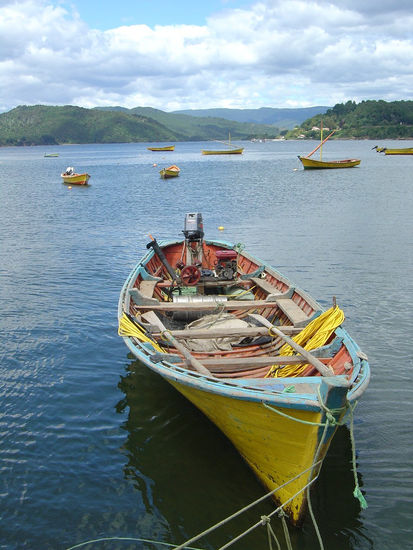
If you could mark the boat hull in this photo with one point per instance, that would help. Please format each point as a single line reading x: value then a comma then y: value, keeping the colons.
x: 76, y: 179
x: 276, y: 448
x: 309, y: 163
x: 224, y: 152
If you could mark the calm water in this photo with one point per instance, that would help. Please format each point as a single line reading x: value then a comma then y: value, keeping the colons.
x: 94, y: 445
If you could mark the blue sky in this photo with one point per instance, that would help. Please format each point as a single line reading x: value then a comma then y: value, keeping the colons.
x: 104, y: 14
x: 183, y: 54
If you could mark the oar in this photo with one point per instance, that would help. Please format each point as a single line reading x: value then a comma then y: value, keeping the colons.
x: 318, y: 146
x: 322, y: 369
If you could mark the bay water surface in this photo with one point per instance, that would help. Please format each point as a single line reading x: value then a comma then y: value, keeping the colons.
x: 92, y: 444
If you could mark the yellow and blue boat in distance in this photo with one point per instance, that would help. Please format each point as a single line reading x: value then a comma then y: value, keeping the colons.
x: 250, y: 349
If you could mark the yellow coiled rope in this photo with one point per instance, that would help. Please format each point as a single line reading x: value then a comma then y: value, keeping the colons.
x: 129, y: 328
x: 314, y: 335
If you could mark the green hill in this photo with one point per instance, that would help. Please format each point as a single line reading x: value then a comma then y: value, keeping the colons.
x: 48, y: 125
x: 204, y: 128
x: 366, y: 120
x: 42, y: 125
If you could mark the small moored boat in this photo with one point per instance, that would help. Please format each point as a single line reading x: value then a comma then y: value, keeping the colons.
x: 70, y: 176
x: 51, y: 155
x: 255, y: 353
x: 404, y: 151
x: 170, y: 172
x: 223, y: 151
x: 313, y: 163
x: 230, y: 151
x: 309, y: 163
x: 166, y: 148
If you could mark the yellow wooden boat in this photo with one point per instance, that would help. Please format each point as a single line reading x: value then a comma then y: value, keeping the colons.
x: 170, y: 172
x: 312, y: 163
x: 230, y: 151
x: 400, y: 151
x: 223, y: 151
x: 405, y: 151
x: 166, y: 148
x: 71, y: 177
x: 309, y: 163
x: 218, y: 324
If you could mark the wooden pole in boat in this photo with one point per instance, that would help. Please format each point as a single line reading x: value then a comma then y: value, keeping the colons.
x: 322, y: 369
x: 321, y: 140
x: 318, y: 146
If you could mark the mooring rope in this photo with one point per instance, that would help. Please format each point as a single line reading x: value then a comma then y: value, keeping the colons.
x: 133, y: 539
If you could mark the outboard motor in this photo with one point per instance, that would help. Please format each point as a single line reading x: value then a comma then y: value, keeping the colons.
x: 194, y: 227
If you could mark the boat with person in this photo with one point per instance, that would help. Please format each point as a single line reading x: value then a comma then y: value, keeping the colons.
x: 73, y: 178
x: 250, y: 349
x: 230, y: 151
x: 165, y: 148
x: 170, y: 172
x: 309, y: 163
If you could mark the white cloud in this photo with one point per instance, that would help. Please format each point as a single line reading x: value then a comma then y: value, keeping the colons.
x: 276, y: 53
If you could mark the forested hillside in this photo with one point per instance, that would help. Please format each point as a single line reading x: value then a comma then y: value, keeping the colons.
x: 42, y: 125
x: 49, y: 125
x: 365, y: 120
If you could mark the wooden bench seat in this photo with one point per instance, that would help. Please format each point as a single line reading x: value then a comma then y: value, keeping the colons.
x: 209, y: 306
x: 296, y: 315
x: 147, y: 287
x: 265, y: 285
